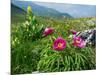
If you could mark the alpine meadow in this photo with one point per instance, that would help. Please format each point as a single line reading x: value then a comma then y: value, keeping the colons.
x: 44, y: 39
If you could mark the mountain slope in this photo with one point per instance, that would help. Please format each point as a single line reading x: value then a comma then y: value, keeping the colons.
x: 17, y: 14
x: 16, y: 10
x: 40, y: 10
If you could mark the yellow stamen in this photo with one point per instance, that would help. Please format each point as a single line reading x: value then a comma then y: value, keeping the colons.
x: 77, y: 41
x: 60, y: 45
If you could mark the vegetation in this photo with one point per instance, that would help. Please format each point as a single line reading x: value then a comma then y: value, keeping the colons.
x: 31, y: 51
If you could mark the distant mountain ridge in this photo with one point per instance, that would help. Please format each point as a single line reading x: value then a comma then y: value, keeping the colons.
x: 16, y: 10
x: 39, y: 10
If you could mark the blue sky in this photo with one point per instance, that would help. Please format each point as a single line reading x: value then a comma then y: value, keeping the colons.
x: 75, y: 10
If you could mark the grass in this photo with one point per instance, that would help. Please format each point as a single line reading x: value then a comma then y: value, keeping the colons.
x: 31, y: 52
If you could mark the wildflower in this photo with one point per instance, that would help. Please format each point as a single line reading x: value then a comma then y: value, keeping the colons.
x: 59, y: 44
x: 29, y: 9
x: 79, y: 42
x: 48, y: 31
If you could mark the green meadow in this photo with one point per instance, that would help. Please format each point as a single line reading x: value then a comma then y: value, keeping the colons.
x: 31, y: 52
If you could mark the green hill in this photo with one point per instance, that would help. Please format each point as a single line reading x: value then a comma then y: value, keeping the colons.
x: 17, y: 14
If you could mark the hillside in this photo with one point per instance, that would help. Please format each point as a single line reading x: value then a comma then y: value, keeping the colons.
x: 17, y: 14
x: 40, y: 10
x: 33, y: 52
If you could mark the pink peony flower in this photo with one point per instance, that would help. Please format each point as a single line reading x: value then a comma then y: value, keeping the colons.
x: 59, y: 44
x: 73, y: 32
x: 79, y: 42
x: 48, y: 31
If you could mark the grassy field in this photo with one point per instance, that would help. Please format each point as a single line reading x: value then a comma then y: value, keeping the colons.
x: 30, y: 51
